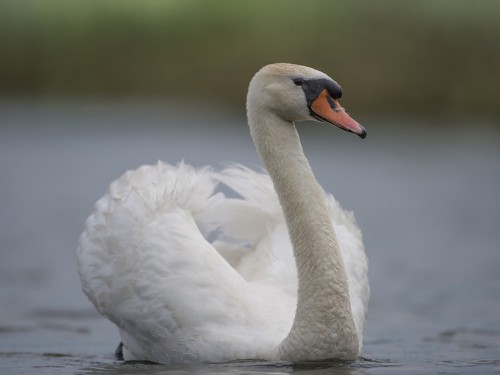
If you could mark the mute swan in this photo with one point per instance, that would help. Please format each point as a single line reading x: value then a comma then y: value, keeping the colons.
x: 189, y: 275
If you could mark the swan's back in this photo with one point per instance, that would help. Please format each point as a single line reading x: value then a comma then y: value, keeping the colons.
x: 188, y: 274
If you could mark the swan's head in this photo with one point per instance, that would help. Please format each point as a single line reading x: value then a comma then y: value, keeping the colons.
x: 299, y: 93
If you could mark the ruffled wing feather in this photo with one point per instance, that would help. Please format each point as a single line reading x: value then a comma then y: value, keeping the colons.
x: 190, y: 275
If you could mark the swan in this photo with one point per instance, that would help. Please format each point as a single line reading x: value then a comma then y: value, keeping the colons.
x: 276, y: 272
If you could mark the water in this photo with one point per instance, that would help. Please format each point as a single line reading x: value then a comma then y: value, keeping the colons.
x: 425, y: 196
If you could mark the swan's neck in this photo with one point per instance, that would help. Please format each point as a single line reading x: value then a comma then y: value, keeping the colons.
x: 323, y: 325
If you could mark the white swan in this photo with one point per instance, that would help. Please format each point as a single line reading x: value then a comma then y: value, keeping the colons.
x: 189, y: 275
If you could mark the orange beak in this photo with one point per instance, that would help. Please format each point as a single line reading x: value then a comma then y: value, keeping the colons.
x: 325, y: 108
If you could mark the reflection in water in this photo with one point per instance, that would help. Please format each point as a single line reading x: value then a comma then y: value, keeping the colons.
x: 241, y: 367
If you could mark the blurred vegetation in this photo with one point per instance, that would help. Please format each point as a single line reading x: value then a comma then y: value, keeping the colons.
x: 419, y: 58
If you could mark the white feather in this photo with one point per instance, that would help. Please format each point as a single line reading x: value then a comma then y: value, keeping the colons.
x: 147, y: 266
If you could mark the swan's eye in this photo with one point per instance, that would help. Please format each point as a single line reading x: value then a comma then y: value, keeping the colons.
x: 298, y: 81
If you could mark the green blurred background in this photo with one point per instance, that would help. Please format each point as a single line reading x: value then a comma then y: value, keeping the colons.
x: 401, y: 58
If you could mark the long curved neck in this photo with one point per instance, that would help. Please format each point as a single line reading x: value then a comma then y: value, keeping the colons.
x: 323, y: 326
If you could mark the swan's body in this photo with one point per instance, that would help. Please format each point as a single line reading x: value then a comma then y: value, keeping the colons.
x: 189, y: 275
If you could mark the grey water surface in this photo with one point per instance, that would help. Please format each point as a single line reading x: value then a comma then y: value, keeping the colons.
x: 425, y: 194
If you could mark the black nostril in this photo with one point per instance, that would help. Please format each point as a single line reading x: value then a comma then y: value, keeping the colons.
x: 332, y: 104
